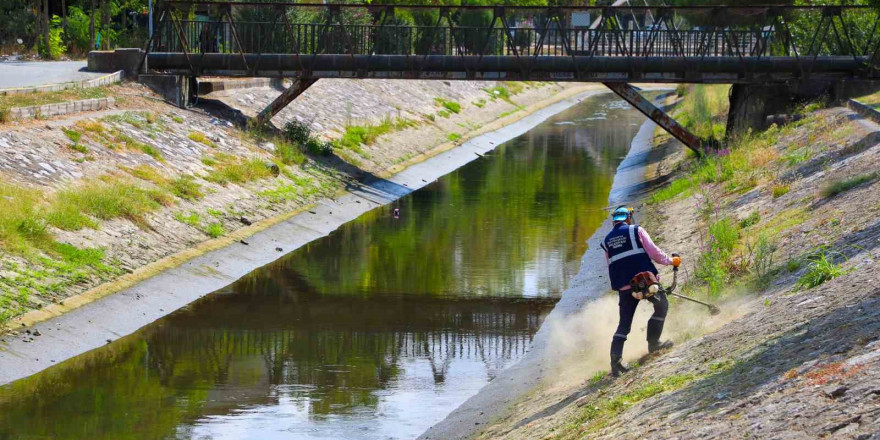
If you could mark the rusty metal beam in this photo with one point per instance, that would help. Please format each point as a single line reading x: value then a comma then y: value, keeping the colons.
x: 632, y: 96
x: 297, y: 88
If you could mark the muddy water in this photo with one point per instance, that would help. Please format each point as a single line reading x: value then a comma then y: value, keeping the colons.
x: 374, y: 332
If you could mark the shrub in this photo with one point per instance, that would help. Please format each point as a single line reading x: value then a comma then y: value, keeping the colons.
x: 821, y: 269
x: 297, y: 132
x: 842, y: 185
x: 316, y: 147
x: 724, y: 235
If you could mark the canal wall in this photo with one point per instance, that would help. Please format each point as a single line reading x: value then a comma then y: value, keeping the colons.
x: 83, y: 322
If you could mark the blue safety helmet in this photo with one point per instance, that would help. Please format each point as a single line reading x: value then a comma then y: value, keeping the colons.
x: 621, y: 213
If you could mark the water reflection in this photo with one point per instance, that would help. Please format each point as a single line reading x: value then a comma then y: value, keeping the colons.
x: 377, y: 331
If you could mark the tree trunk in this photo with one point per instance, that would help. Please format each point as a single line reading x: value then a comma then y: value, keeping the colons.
x: 46, y: 28
x: 64, y: 16
x: 105, y: 15
x: 92, y: 28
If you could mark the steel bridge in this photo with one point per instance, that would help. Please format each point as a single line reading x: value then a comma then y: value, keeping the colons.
x: 613, y: 45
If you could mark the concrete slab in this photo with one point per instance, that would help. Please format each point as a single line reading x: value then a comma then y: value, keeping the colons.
x: 37, y: 73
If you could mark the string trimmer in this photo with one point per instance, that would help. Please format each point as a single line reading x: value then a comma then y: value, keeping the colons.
x: 646, y: 285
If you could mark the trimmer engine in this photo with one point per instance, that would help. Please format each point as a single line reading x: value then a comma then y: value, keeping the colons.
x: 645, y: 285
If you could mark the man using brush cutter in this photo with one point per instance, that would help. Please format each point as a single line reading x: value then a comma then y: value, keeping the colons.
x: 629, y: 251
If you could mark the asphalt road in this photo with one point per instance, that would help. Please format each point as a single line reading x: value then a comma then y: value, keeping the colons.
x: 37, y: 73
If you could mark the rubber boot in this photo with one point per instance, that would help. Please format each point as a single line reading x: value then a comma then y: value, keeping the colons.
x: 654, y: 346
x: 617, y: 368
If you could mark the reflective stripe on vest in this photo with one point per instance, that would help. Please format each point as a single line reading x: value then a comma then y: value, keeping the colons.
x: 635, y: 247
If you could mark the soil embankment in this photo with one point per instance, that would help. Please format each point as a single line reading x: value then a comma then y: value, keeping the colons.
x: 782, y: 233
x: 324, y: 193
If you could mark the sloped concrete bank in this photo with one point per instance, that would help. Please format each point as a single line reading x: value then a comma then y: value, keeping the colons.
x: 99, y: 321
x: 534, y: 368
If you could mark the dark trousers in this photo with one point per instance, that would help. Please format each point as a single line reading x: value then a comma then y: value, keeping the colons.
x: 628, y: 306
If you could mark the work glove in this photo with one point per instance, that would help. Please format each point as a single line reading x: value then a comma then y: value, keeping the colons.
x: 676, y: 260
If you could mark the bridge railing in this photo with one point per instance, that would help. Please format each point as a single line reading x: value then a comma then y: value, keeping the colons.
x: 309, y: 38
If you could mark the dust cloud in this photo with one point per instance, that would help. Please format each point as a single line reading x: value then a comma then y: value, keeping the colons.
x: 580, y: 343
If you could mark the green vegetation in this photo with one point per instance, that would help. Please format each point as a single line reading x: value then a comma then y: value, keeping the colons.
x: 280, y: 193
x: 842, y: 185
x: 703, y: 111
x: 444, y: 114
x: 186, y: 188
x: 105, y: 200
x: 480, y: 103
x: 753, y: 219
x: 43, y: 98
x: 357, y: 135
x: 451, y: 106
x: 680, y: 187
x: 75, y: 136
x: 230, y: 169
x: 453, y: 137
x: 498, y: 92
x: 215, y: 230
x: 822, y: 268
x: 779, y: 190
x: 200, y: 137
x: 288, y: 153
x: 177, y: 119
x: 191, y: 219
x: 596, y: 415
x: 872, y: 100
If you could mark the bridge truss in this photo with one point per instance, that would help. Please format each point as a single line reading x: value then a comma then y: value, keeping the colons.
x: 738, y: 45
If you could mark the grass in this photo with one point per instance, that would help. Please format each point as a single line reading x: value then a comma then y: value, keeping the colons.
x: 288, y: 153
x: 75, y: 136
x: 499, y: 92
x: 703, y: 110
x: 43, y: 98
x: 453, y: 137
x: 357, y: 135
x: 872, y: 100
x: 177, y: 119
x: 753, y: 219
x: 191, y: 219
x: 480, y: 103
x: 451, y: 106
x: 780, y: 190
x: 105, y: 200
x: 233, y: 170
x: 200, y: 137
x: 679, y: 187
x: 842, y: 185
x: 820, y: 270
x: 184, y: 187
x: 215, y: 230
x: 596, y: 415
x: 280, y: 193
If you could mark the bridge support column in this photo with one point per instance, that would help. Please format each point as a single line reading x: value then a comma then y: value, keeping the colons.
x: 297, y: 88
x: 632, y: 96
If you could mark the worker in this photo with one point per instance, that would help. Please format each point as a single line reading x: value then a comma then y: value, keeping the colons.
x: 629, y: 251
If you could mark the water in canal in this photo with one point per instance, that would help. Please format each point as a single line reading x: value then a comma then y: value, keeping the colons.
x: 377, y: 331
